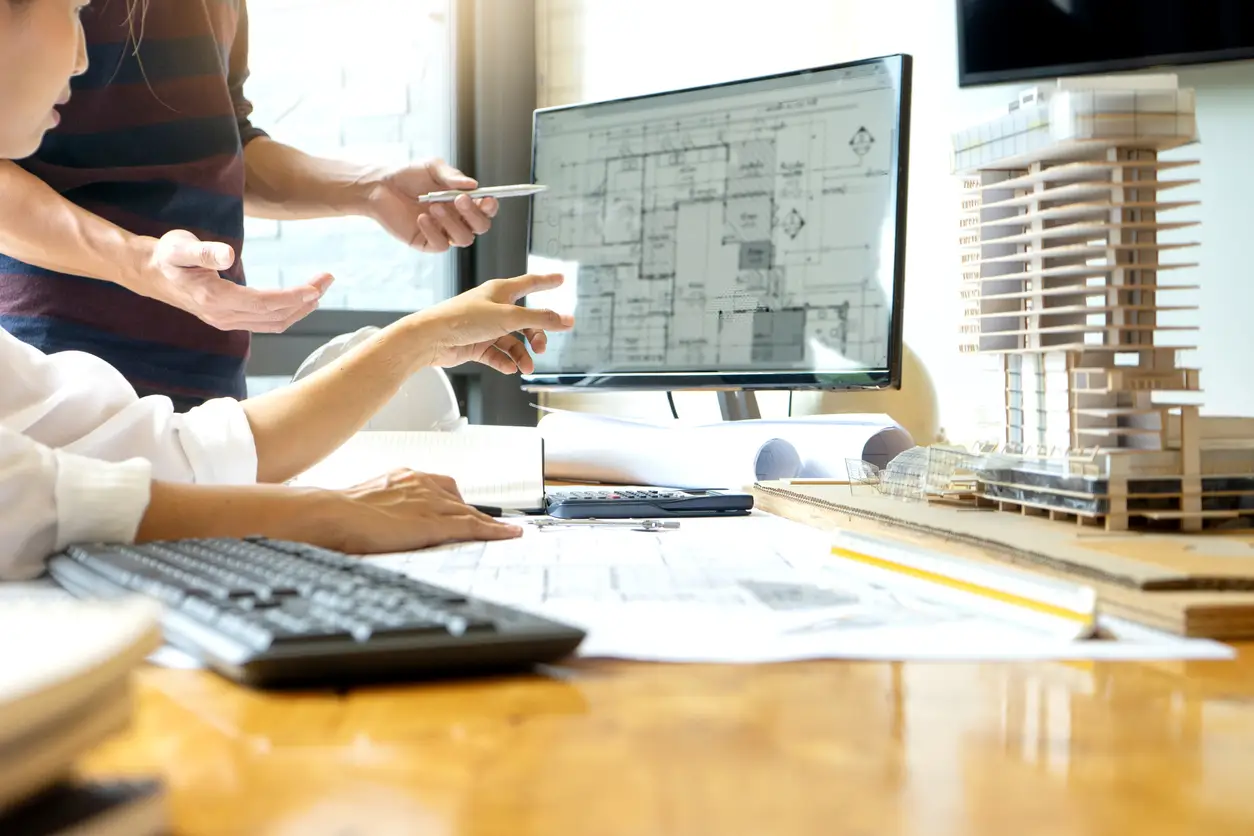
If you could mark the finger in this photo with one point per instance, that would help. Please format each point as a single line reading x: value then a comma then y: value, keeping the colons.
x: 447, y: 484
x: 191, y: 252
x: 267, y: 325
x: 321, y: 283
x: 225, y: 297
x: 471, y: 527
x: 262, y: 314
x: 263, y: 326
x: 539, y: 319
x: 517, y: 352
x: 455, y: 230
x: 488, y: 206
x: 430, y: 235
x: 471, y: 511
x: 450, y: 177
x: 539, y: 340
x: 521, y: 286
x: 496, y: 359
x: 234, y: 321
x: 296, y: 316
x: 272, y: 322
x: 472, y: 215
x: 442, y: 507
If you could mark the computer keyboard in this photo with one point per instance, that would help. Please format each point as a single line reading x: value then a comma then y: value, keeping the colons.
x: 269, y: 613
x: 643, y: 503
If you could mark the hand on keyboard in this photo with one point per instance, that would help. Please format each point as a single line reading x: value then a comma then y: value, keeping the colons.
x: 405, y: 510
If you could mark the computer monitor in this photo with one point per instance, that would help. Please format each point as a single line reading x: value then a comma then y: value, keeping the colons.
x: 739, y: 236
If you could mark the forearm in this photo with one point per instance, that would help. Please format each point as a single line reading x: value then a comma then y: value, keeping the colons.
x: 178, y: 511
x: 297, y: 426
x: 40, y: 227
x: 283, y: 183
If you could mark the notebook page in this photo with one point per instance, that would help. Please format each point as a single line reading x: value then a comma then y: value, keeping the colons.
x: 501, y: 466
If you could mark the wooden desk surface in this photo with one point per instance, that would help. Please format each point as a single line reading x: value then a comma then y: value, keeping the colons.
x: 817, y: 748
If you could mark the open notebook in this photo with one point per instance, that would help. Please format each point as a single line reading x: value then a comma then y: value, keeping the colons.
x: 497, y: 466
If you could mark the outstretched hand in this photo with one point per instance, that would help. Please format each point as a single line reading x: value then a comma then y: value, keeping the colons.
x: 484, y: 325
x: 184, y: 271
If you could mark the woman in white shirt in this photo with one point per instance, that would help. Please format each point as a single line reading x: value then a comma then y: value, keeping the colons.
x: 83, y: 459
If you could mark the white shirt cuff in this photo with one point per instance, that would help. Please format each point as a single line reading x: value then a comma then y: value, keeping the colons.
x: 218, y: 441
x: 100, y: 502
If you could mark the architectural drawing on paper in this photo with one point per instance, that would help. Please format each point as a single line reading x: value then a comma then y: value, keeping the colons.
x: 725, y: 233
x: 1068, y: 228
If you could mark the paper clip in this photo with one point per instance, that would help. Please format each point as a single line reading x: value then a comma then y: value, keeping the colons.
x: 635, y: 525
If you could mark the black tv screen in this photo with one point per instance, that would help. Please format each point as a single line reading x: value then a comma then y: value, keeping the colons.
x: 1014, y: 40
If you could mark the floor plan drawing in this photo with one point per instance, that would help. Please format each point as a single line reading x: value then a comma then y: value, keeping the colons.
x: 752, y: 231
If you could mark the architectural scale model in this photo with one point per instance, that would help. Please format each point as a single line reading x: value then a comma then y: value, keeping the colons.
x: 1067, y: 225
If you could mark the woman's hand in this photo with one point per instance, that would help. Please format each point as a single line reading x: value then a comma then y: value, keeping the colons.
x: 405, y: 511
x: 482, y: 325
x: 401, y: 511
x: 296, y: 426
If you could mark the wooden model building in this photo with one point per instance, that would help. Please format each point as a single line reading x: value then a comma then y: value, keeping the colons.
x: 1067, y: 225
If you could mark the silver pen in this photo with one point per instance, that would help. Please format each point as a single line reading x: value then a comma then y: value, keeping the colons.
x: 638, y: 525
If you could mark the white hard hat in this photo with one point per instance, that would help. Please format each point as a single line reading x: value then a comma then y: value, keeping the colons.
x: 425, y: 402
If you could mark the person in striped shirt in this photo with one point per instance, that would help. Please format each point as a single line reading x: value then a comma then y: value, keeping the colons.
x: 84, y: 459
x: 122, y: 235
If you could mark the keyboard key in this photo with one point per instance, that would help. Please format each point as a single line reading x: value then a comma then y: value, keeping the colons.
x: 200, y: 608
x: 245, y: 629
x: 411, y: 628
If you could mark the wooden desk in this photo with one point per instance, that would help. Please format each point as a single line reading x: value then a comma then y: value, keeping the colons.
x: 642, y: 750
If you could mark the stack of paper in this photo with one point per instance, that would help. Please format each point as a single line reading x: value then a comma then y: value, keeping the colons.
x: 65, y: 669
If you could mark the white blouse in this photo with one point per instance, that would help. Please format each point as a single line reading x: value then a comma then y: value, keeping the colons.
x: 79, y: 451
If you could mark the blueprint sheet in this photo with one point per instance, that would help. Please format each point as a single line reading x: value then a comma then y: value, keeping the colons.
x: 750, y: 589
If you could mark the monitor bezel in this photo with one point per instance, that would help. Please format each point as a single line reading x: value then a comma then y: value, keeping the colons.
x: 986, y: 78
x: 851, y: 380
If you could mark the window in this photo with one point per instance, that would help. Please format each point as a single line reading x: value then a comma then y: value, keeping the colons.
x: 372, y: 82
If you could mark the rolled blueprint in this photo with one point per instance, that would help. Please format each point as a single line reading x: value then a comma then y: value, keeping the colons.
x: 722, y: 454
x: 598, y: 448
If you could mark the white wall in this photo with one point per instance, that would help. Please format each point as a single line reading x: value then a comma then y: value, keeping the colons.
x: 603, y: 48
x: 371, y: 86
x: 1225, y: 103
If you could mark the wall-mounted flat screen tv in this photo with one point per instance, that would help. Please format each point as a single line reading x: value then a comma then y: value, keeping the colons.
x: 1016, y: 40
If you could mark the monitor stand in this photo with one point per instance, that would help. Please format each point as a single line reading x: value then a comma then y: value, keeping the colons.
x: 738, y: 405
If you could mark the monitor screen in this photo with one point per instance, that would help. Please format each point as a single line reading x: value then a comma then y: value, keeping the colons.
x: 743, y: 235
x: 1015, y: 40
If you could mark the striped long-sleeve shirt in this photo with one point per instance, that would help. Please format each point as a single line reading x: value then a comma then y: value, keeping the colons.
x: 152, y: 140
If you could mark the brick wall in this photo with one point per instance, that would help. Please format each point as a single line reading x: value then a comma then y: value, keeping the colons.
x: 369, y: 81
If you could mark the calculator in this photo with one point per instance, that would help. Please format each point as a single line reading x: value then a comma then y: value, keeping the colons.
x: 643, y: 503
